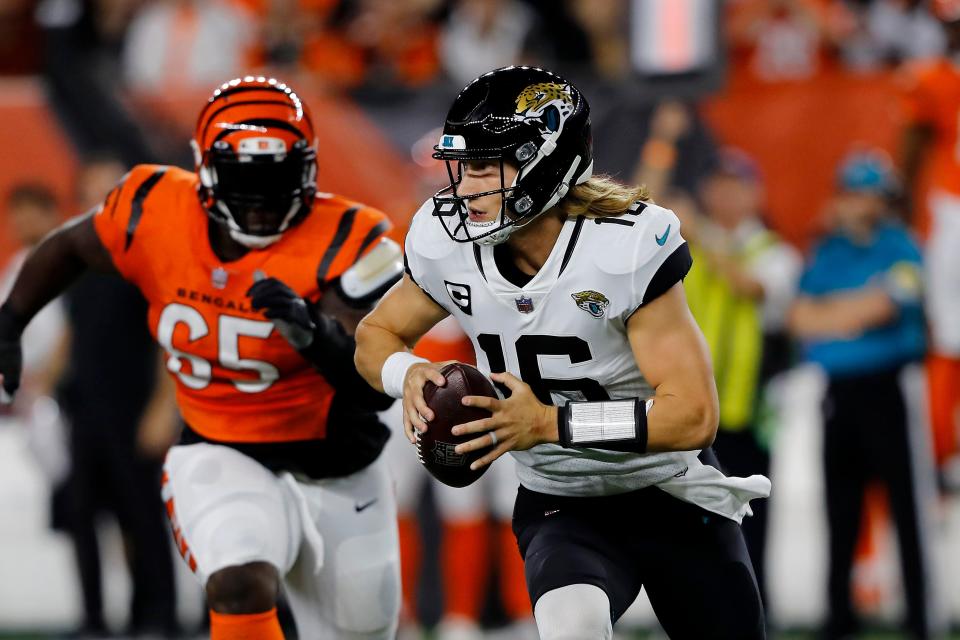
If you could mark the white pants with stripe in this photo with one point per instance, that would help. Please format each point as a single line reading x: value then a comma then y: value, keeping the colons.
x: 334, y: 541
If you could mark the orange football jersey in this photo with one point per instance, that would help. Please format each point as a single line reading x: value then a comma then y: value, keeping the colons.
x: 237, y: 378
x: 932, y: 98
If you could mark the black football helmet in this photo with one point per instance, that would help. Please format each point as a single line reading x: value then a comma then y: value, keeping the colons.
x: 526, y: 116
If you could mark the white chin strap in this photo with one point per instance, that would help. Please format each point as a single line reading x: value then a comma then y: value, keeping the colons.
x: 253, y: 241
x: 497, y: 237
x: 500, y: 236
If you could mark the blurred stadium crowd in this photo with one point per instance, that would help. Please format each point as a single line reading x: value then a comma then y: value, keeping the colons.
x: 788, y: 135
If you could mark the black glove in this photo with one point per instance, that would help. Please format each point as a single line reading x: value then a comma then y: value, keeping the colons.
x: 11, y: 355
x: 290, y: 313
x: 319, y: 338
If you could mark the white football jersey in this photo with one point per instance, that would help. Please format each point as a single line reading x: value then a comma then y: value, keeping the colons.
x: 564, y: 334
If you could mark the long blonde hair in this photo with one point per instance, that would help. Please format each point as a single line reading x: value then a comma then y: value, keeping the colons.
x: 601, y: 196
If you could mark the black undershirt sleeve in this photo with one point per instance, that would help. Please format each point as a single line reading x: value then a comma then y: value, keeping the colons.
x: 331, y: 352
x: 673, y: 270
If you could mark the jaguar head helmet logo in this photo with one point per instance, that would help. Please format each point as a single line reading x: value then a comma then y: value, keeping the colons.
x: 547, y: 104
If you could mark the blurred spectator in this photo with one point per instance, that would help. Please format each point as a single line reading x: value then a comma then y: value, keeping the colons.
x: 32, y: 212
x: 930, y: 141
x: 399, y: 40
x: 742, y: 282
x: 481, y: 36
x: 176, y: 45
x: 81, y: 69
x: 602, y: 24
x: 120, y: 409
x: 284, y: 26
x: 308, y: 35
x: 583, y: 39
x: 787, y: 39
x: 677, y: 149
x: 859, y: 317
x: 19, y: 38
x: 890, y: 32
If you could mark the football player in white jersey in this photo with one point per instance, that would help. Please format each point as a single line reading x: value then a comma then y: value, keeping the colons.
x: 569, y: 286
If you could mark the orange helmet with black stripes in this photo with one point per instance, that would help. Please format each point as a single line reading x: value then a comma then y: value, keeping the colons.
x: 255, y: 151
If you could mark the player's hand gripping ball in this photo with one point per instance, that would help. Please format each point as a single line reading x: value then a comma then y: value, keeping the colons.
x: 435, y: 447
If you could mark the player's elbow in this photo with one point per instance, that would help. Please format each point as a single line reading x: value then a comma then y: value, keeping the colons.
x: 703, y: 424
x: 363, y: 358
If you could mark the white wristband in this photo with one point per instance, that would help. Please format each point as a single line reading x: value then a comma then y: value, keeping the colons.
x: 394, y: 372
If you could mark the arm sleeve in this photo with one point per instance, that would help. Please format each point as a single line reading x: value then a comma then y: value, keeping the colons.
x: 359, y: 230
x: 331, y: 353
x: 657, y: 259
x: 332, y: 349
x: 670, y: 272
x: 414, y: 263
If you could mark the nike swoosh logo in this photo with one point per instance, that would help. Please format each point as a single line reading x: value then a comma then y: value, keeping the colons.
x: 662, y: 240
x: 360, y: 506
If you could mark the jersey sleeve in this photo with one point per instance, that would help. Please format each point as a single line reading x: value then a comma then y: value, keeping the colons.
x: 359, y: 230
x: 116, y: 220
x: 417, y: 254
x: 657, y: 259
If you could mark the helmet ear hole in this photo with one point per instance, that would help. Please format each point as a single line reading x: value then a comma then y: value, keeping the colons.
x: 526, y: 151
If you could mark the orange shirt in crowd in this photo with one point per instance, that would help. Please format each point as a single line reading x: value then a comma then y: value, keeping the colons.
x: 932, y: 99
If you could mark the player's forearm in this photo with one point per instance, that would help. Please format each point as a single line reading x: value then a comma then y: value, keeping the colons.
x: 670, y: 423
x: 374, y: 345
x: 841, y: 315
x: 739, y: 279
x: 332, y: 353
x: 676, y: 423
x: 812, y: 319
x: 54, y: 264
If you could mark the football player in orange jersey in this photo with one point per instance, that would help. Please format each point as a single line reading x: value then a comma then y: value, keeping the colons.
x: 932, y: 138
x: 255, y: 282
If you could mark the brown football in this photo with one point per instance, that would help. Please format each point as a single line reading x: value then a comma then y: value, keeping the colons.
x: 435, y: 446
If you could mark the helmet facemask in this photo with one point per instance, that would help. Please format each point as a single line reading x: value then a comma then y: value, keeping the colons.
x: 452, y: 206
x: 261, y: 189
x: 525, y: 117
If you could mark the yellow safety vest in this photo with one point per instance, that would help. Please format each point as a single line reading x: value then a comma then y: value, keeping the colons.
x: 733, y: 328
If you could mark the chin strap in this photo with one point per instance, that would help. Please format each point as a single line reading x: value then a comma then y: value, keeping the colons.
x: 501, y: 236
x: 251, y: 241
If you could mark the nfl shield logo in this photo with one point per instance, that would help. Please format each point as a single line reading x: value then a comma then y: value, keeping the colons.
x: 444, y: 453
x: 524, y: 304
x: 219, y: 278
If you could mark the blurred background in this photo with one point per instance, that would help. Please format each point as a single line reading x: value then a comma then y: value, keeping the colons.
x: 809, y: 146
